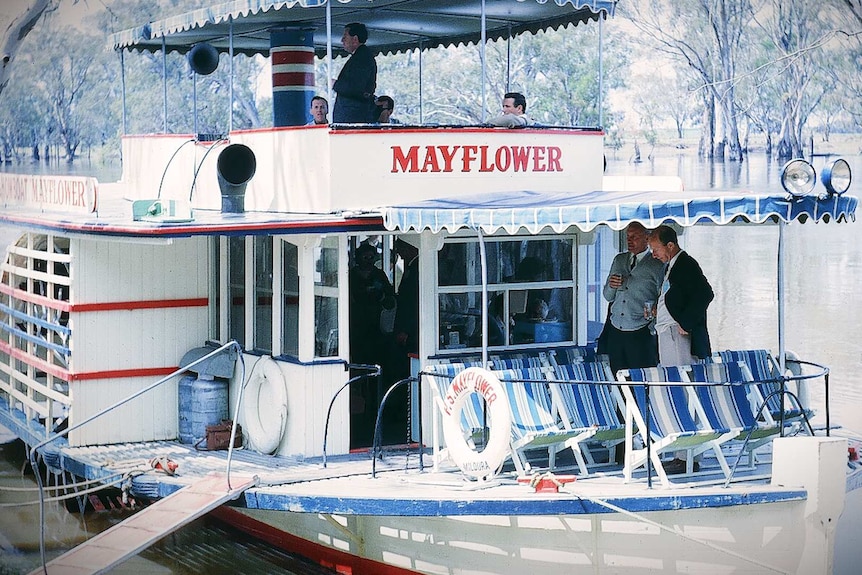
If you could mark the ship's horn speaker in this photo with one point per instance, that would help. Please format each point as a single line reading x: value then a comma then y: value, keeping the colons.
x: 235, y: 167
x: 203, y: 58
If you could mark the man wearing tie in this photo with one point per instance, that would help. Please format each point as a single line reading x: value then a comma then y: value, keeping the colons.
x: 634, y: 280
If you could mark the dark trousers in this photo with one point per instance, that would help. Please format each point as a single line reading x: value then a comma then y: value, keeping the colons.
x: 629, y: 349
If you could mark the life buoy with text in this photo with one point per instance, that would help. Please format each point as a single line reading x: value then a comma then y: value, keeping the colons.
x: 265, y: 406
x: 488, y: 462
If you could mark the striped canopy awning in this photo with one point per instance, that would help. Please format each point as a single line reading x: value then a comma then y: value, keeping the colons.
x: 534, y: 212
x: 394, y: 25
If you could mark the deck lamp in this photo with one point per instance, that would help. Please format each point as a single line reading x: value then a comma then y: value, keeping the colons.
x: 798, y: 178
x: 836, y: 177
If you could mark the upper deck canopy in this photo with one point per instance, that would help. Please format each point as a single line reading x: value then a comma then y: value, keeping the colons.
x: 394, y: 25
x: 535, y: 211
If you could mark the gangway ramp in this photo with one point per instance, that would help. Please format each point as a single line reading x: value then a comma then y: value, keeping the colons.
x: 113, y: 546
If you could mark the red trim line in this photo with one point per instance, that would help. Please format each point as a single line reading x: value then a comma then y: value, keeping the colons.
x: 65, y: 375
x: 147, y: 304
x: 122, y: 373
x: 370, y: 223
x: 338, y: 561
x: 35, y: 298
x: 39, y: 364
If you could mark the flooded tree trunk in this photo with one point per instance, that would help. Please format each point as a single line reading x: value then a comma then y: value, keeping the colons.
x: 707, y: 130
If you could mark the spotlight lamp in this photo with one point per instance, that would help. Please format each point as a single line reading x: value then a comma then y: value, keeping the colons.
x: 798, y: 178
x: 836, y: 177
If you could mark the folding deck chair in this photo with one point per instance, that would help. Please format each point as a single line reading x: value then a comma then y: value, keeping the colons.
x: 734, y: 404
x: 534, y: 425
x: 588, y: 407
x: 765, y: 371
x: 673, y: 426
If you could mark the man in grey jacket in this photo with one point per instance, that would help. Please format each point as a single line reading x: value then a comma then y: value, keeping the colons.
x: 632, y: 288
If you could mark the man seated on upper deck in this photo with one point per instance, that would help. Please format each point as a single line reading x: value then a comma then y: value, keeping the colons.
x: 513, y: 116
x: 385, y: 106
x: 319, y: 111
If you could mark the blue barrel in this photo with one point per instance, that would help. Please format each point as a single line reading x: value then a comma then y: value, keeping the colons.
x: 203, y: 401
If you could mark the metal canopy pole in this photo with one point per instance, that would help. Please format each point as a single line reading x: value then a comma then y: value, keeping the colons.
x: 329, y: 53
x: 781, y: 342
x: 123, y: 87
x: 483, y: 261
x: 164, y: 87
x: 421, y: 100
x: 230, y: 84
x: 601, y: 71
x: 482, y: 55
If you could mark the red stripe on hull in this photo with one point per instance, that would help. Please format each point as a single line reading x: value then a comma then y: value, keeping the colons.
x: 338, y: 561
x: 293, y: 79
x: 291, y: 57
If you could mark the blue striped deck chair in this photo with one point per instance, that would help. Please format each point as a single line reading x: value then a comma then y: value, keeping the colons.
x: 534, y: 425
x: 673, y: 423
x: 732, y: 406
x: 764, y: 368
x: 588, y: 407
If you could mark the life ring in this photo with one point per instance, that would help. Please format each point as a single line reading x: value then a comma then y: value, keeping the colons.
x: 488, y: 462
x: 265, y: 406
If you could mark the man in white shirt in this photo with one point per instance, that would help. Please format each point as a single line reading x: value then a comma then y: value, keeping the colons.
x: 319, y: 111
x: 514, y: 112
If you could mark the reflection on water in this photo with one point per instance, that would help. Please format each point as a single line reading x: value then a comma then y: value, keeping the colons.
x: 823, y: 275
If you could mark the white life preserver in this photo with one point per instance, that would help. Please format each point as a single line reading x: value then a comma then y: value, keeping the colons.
x: 488, y: 462
x: 265, y: 406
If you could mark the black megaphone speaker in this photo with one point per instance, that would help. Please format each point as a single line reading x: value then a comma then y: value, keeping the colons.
x: 203, y: 58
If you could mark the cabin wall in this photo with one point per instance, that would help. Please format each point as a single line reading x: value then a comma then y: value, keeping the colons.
x: 137, y: 309
x: 309, y: 389
x: 318, y: 170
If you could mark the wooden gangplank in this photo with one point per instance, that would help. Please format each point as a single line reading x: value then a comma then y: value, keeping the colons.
x: 113, y: 546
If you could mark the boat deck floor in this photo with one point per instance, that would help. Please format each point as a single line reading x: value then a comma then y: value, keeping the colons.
x: 346, y: 483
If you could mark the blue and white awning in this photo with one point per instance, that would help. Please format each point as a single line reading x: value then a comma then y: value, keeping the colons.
x: 534, y: 212
x: 394, y: 25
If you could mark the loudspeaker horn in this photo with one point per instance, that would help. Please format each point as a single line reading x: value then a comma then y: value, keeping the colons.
x: 203, y: 58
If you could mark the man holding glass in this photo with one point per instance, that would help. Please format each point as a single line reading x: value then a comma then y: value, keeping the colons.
x: 632, y: 288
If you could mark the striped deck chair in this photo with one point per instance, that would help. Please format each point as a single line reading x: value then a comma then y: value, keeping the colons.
x: 764, y: 368
x: 589, y: 407
x: 534, y: 425
x: 732, y: 406
x: 674, y: 412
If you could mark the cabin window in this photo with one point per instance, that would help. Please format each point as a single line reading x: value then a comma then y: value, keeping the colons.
x: 290, y: 297
x: 263, y: 259
x: 236, y: 288
x: 530, y: 287
x: 326, y: 297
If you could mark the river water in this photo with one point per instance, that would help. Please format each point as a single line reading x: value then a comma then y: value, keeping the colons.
x: 823, y: 314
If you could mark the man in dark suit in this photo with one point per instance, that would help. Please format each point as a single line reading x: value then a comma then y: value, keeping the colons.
x: 354, y: 88
x: 685, y: 295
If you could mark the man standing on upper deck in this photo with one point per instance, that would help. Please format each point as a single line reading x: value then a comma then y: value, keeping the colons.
x: 514, y: 112
x: 635, y: 278
x: 354, y: 88
x: 685, y: 295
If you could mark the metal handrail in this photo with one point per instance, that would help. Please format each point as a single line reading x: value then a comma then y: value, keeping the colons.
x: 376, y: 448
x: 374, y: 371
x: 32, y: 453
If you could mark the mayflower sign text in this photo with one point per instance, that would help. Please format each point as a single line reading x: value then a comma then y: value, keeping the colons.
x: 52, y: 193
x: 481, y: 158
